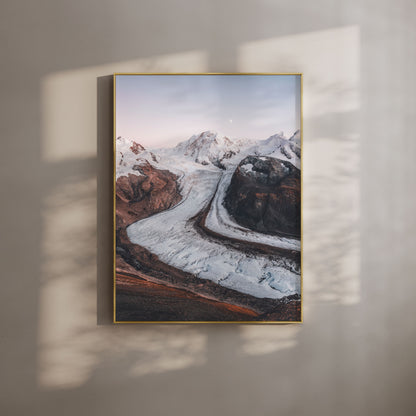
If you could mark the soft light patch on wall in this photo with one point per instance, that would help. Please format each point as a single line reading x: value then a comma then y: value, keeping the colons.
x: 69, y: 101
x: 72, y: 348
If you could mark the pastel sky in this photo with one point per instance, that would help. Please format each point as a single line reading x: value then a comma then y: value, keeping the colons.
x: 162, y: 110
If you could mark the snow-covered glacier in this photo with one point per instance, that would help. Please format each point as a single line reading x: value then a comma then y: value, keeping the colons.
x: 176, y: 242
x: 220, y: 221
x: 172, y: 234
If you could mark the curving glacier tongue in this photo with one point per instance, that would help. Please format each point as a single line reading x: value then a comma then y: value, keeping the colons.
x: 172, y: 237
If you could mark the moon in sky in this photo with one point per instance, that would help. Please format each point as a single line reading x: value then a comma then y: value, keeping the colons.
x: 230, y: 120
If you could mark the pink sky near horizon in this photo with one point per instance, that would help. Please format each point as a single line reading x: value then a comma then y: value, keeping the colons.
x: 162, y: 110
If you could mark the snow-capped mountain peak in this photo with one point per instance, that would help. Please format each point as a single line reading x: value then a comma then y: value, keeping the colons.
x: 129, y: 155
x: 276, y: 137
x: 125, y: 145
x: 280, y: 147
x: 209, y: 147
x: 204, y: 140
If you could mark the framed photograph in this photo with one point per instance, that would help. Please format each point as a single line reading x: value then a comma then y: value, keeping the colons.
x: 207, y: 198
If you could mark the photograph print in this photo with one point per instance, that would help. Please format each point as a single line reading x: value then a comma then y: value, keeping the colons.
x: 207, y: 198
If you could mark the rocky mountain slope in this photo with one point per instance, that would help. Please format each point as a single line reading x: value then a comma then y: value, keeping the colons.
x: 264, y: 195
x: 148, y: 191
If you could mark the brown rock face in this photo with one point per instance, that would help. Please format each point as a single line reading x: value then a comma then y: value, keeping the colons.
x: 138, y: 197
x: 136, y: 148
x: 264, y: 195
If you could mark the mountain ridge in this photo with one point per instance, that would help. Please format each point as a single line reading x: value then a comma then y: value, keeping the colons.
x: 211, y: 148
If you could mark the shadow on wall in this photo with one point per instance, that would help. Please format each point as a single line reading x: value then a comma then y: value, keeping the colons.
x: 77, y: 278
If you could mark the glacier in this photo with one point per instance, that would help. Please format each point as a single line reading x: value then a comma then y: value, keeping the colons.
x: 172, y: 235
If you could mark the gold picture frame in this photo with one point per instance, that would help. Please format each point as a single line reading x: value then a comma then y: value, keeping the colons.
x: 115, y: 318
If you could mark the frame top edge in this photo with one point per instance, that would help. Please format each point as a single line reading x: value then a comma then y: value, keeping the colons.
x: 207, y: 73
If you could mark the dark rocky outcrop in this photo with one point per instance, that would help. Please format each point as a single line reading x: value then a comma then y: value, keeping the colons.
x: 139, y: 196
x: 264, y: 195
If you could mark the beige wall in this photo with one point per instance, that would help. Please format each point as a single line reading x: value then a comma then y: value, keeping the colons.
x: 354, y: 354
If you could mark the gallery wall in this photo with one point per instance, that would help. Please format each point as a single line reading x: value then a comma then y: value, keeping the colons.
x: 354, y: 353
